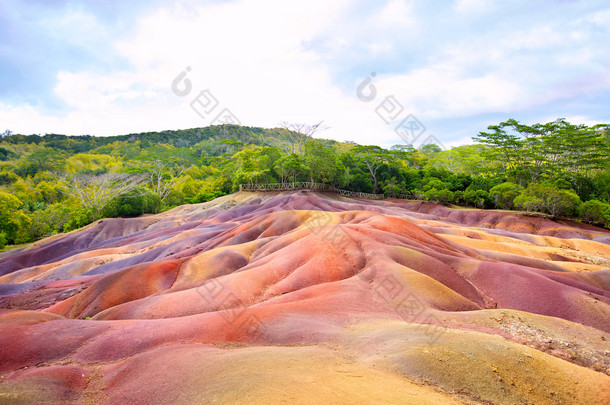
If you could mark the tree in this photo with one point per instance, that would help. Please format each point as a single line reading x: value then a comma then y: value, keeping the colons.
x: 253, y: 164
x: 133, y: 203
x: 95, y: 191
x: 561, y: 202
x: 465, y: 159
x: 577, y: 149
x: 50, y: 220
x: 529, y: 202
x: 521, y: 148
x: 48, y: 191
x: 290, y: 168
x: 602, y: 181
x: 373, y: 158
x: 293, y: 136
x: 13, y: 221
x: 531, y: 152
x: 323, y: 164
x: 476, y: 198
x: 430, y: 148
x: 163, y: 179
x: 504, y: 194
x: 6, y: 154
x: 595, y: 212
x: 505, y: 146
x: 392, y: 188
x: 46, y: 159
x: 443, y: 196
x: 546, y: 198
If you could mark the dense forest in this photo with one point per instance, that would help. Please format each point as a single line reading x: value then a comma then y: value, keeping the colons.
x: 55, y: 183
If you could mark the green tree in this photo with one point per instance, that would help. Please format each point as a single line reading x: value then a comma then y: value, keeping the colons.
x: 476, y: 198
x: 443, y: 196
x: 46, y: 159
x: 595, y: 212
x: 253, y: 166
x: 504, y: 194
x: 290, y: 168
x: 374, y: 158
x: 545, y: 198
x: 393, y: 188
x: 323, y: 163
x: 13, y: 221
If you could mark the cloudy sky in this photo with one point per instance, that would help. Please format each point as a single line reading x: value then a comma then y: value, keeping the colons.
x: 451, y: 67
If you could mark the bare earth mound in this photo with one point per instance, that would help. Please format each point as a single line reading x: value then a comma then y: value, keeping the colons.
x: 309, y: 298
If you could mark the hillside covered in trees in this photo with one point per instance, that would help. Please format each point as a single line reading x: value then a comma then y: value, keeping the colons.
x: 56, y: 183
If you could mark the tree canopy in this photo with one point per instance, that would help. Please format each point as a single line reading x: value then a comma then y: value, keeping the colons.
x: 54, y: 183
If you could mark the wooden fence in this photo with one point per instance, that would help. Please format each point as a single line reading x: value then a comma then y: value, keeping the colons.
x: 304, y: 185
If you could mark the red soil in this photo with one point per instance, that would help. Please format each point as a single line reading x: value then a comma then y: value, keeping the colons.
x: 231, y: 279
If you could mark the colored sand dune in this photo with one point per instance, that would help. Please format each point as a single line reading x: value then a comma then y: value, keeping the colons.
x: 309, y: 297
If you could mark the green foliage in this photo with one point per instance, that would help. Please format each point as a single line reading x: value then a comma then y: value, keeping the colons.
x: 602, y: 183
x: 49, y: 221
x: 546, y: 198
x: 7, y: 154
x: 443, y: 196
x: 206, y: 196
x: 13, y: 220
x: 7, y: 178
x: 392, y: 188
x: 291, y: 168
x: 595, y: 212
x: 46, y: 159
x: 323, y: 163
x: 476, y: 198
x: 529, y: 203
x: 550, y: 168
x: 80, y: 217
x: 136, y: 202
x: 504, y: 194
x: 532, y: 152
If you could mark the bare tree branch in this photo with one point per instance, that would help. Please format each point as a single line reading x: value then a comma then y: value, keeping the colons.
x: 95, y: 192
x: 161, y: 181
x: 293, y: 139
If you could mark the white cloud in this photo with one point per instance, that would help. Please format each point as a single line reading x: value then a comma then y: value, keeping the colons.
x: 269, y: 61
x: 445, y: 91
x: 466, y: 140
x: 396, y: 12
x: 572, y: 119
x: 252, y: 61
x: 379, y: 47
x: 470, y: 7
x: 600, y: 18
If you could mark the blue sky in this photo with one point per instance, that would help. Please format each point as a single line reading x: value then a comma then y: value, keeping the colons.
x: 107, y: 67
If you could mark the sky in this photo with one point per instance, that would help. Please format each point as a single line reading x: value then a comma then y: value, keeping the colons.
x: 375, y: 72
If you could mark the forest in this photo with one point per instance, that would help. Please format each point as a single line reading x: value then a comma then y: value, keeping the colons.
x: 55, y: 183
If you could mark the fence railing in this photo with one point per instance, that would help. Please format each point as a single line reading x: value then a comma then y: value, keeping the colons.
x: 300, y: 185
x: 358, y: 194
x: 304, y: 185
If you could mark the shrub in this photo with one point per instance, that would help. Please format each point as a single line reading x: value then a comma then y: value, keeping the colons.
x: 595, y: 212
x: 504, y: 194
x: 544, y: 198
x: 443, y: 196
x: 476, y: 198
x: 136, y: 202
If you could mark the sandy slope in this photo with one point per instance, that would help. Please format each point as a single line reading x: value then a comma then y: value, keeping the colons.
x: 309, y: 298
